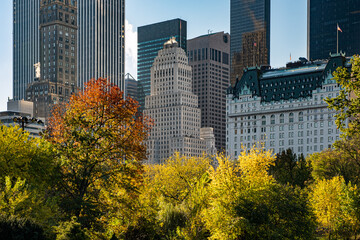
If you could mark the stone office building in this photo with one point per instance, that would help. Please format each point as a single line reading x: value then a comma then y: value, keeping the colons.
x: 284, y: 108
x: 174, y: 108
x: 56, y: 74
x: 209, y: 57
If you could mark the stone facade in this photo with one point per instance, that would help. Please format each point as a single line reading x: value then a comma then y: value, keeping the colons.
x: 209, y: 57
x: 173, y: 107
x: 284, y: 108
x: 58, y: 57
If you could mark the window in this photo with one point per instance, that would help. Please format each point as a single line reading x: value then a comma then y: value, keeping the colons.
x: 263, y: 120
x: 272, y: 119
x: 301, y: 116
x: 291, y: 117
x: 282, y: 119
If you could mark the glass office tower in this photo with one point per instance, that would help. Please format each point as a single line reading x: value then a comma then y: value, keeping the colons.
x: 250, y: 35
x: 323, y: 17
x: 101, y: 41
x: 26, y: 41
x: 151, y: 39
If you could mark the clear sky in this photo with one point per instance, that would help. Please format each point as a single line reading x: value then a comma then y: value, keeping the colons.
x: 288, y: 29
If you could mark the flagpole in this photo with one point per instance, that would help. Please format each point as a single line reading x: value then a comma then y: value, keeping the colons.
x: 337, y: 38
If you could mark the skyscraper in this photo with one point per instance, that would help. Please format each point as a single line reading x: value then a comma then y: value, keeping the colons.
x: 101, y: 42
x: 56, y: 75
x: 150, y: 40
x: 209, y: 56
x: 323, y: 17
x: 174, y: 108
x: 26, y: 40
x: 250, y: 35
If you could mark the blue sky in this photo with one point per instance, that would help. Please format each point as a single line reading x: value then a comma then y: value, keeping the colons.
x: 288, y: 29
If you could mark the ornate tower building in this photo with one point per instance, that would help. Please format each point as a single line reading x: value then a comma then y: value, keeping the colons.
x: 174, y: 108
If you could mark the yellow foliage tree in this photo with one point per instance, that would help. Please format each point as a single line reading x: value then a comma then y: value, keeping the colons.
x: 328, y: 201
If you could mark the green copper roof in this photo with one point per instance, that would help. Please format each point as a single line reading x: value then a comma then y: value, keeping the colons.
x: 293, y: 82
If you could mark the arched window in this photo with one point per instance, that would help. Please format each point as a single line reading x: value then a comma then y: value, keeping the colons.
x: 272, y: 119
x: 282, y: 118
x: 291, y: 117
x: 301, y: 116
x: 263, y: 120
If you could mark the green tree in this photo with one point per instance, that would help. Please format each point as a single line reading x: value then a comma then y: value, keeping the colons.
x: 27, y: 168
x: 24, y: 157
x: 71, y: 230
x: 14, y: 228
x: 343, y: 160
x: 291, y: 169
x: 347, y: 103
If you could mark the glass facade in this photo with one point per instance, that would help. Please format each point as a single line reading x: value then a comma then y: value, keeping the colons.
x: 26, y: 41
x: 101, y: 41
x: 250, y: 35
x: 323, y: 17
x: 151, y: 39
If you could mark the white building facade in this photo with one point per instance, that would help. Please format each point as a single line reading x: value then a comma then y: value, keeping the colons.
x: 174, y: 108
x: 284, y: 108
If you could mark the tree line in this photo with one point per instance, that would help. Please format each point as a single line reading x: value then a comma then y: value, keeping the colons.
x: 85, y: 179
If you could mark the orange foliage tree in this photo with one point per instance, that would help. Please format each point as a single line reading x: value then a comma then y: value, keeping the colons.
x: 99, y: 138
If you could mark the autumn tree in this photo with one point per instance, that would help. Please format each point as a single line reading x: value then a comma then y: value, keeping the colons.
x: 247, y: 203
x: 172, y: 199
x: 98, y: 137
x: 330, y: 203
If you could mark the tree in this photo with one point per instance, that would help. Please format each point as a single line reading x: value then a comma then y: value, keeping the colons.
x: 291, y: 169
x: 27, y: 168
x: 12, y: 228
x: 172, y: 199
x: 328, y: 201
x: 247, y: 203
x: 347, y: 103
x: 24, y: 157
x: 342, y: 161
x: 98, y: 137
x: 70, y: 230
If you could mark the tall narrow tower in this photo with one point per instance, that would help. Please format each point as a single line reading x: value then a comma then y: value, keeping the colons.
x: 101, y: 43
x: 26, y: 41
x: 250, y: 35
x: 174, y: 108
x: 56, y: 74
